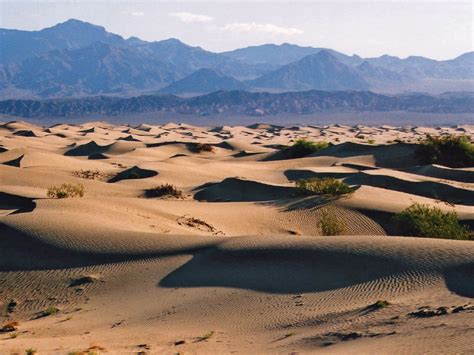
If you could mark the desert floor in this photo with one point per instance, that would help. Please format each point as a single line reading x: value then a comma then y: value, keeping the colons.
x: 237, y: 265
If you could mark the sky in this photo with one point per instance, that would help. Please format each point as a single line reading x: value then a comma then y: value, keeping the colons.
x: 434, y: 29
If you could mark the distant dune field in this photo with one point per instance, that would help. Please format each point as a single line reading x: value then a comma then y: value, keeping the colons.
x: 231, y: 259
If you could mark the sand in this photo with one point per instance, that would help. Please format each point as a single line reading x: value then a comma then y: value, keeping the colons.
x: 237, y: 264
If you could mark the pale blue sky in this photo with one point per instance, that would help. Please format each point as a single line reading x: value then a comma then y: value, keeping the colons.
x: 440, y: 30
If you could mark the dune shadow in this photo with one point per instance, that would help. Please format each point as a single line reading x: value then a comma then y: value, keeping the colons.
x: 273, y: 270
x: 300, y: 203
x: 301, y: 174
x: 134, y: 172
x: 430, y: 189
x: 18, y: 203
x: 460, y: 279
x: 240, y: 190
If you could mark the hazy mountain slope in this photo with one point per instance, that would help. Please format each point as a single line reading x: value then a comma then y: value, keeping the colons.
x: 98, y: 68
x: 278, y: 55
x: 188, y: 59
x: 17, y: 45
x: 320, y: 71
x: 203, y: 81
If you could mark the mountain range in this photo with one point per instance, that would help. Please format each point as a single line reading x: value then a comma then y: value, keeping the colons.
x: 77, y: 59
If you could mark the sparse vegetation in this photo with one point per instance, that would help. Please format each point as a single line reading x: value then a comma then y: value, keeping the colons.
x: 205, y: 336
x: 91, y: 174
x: 424, y: 221
x: 303, y: 147
x: 30, y: 351
x: 11, y: 306
x: 450, y: 150
x: 330, y: 225
x: 203, y: 147
x: 371, y: 141
x: 9, y: 327
x: 164, y: 190
x: 82, y: 281
x: 66, y: 190
x: 380, y: 304
x: 48, y: 312
x: 322, y: 186
x: 14, y: 335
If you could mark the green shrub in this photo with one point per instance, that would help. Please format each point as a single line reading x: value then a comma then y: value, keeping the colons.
x: 452, y: 151
x: 371, y: 141
x: 303, y: 147
x: 330, y: 224
x: 66, y: 190
x: 164, y: 190
x: 325, y: 186
x: 424, y: 221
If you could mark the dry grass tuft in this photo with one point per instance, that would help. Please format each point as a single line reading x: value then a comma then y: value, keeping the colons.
x: 66, y: 190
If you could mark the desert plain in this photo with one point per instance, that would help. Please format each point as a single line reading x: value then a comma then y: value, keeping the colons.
x: 234, y: 263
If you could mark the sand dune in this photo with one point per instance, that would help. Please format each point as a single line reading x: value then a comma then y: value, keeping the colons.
x: 236, y: 262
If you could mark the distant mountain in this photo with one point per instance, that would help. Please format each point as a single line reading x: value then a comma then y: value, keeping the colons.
x: 188, y: 59
x: 240, y: 103
x: 17, y: 45
x: 279, y: 55
x: 203, y: 81
x: 95, y: 69
x: 76, y: 58
x: 321, y: 71
x: 378, y: 76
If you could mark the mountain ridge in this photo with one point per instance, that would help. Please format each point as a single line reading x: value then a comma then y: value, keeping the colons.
x: 50, y: 63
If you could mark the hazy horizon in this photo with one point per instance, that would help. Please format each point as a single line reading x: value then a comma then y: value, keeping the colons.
x: 438, y: 30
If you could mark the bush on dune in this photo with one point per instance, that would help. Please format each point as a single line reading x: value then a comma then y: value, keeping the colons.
x: 164, y: 190
x: 66, y: 190
x: 203, y: 147
x: 424, y: 221
x: 452, y: 151
x: 303, y: 147
x: 330, y: 225
x: 325, y: 186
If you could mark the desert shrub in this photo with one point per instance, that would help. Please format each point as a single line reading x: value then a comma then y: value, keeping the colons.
x: 9, y: 327
x: 324, y: 186
x: 91, y: 174
x: 303, y: 147
x: 424, y: 221
x: 164, y: 190
x: 48, y: 312
x: 203, y: 147
x: 380, y: 304
x: 66, y: 190
x: 450, y: 150
x: 330, y: 224
x: 371, y: 141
